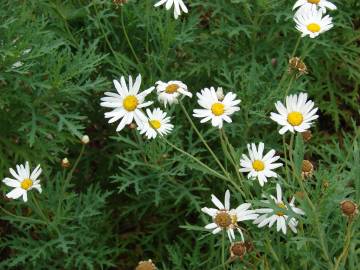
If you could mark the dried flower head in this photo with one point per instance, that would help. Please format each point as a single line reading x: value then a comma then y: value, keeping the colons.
x: 65, y: 163
x: 298, y: 66
x: 307, y: 135
x: 146, y: 265
x: 85, y: 139
x: 307, y: 169
x: 237, y: 250
x: 349, y: 208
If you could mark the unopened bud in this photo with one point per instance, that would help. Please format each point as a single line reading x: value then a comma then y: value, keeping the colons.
x: 307, y: 135
x: 349, y: 208
x: 85, y: 139
x: 146, y: 265
x: 65, y: 163
x: 220, y: 93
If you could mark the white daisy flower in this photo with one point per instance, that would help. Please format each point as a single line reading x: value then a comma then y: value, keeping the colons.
x: 127, y: 103
x: 308, y: 4
x: 298, y: 115
x: 157, y: 122
x: 169, y: 93
x: 216, y: 110
x: 259, y: 166
x: 269, y: 216
x: 227, y: 219
x: 311, y: 22
x: 178, y: 6
x: 23, y: 182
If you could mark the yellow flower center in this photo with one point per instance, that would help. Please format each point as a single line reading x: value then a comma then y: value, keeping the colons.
x: 258, y: 165
x: 314, y: 1
x: 224, y: 219
x: 26, y: 183
x: 155, y: 124
x: 283, y: 206
x: 295, y: 118
x: 217, y: 108
x: 130, y: 103
x: 313, y: 27
x: 171, y: 88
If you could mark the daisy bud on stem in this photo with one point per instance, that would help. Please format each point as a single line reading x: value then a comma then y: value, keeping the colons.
x: 349, y: 208
x: 307, y: 169
x: 85, y: 139
x: 146, y: 265
x: 65, y: 163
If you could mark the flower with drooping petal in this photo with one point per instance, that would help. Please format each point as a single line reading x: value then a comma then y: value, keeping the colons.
x: 23, y: 181
x: 126, y: 103
x: 214, y: 109
x: 268, y: 216
x: 298, y: 115
x: 308, y: 4
x: 259, y: 166
x: 224, y: 218
x: 170, y: 92
x: 311, y: 22
x: 178, y: 6
x: 157, y: 122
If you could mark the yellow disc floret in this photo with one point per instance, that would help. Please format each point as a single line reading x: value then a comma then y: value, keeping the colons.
x: 258, y: 165
x: 26, y: 183
x: 314, y: 27
x: 295, y: 118
x: 314, y: 1
x: 283, y: 206
x: 171, y: 88
x: 130, y: 103
x: 223, y: 219
x: 218, y: 108
x: 155, y: 124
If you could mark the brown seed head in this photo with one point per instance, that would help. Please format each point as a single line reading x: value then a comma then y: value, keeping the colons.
x: 349, y: 208
x: 146, y: 265
x: 307, y: 135
x: 119, y: 2
x: 307, y: 169
x: 132, y: 126
x: 238, y: 249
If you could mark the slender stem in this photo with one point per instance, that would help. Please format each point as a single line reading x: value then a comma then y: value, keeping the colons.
x: 69, y: 176
x: 232, y: 159
x: 46, y: 219
x: 202, y: 139
x: 223, y: 250
x: 127, y: 38
x: 344, y: 253
x: 195, y: 159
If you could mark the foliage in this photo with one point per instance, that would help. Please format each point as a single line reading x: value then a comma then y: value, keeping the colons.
x: 130, y: 199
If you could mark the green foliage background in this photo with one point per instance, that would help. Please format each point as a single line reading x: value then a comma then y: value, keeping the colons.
x: 130, y: 199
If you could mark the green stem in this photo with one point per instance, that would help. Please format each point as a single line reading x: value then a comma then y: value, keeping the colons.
x: 195, y: 159
x: 223, y: 250
x: 231, y: 156
x: 127, y: 38
x: 41, y: 213
x: 202, y: 139
x: 69, y: 176
x: 344, y: 253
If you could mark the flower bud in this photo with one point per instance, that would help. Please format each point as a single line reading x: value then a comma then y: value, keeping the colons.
x: 146, y: 265
x: 65, y: 163
x: 85, y: 139
x: 220, y: 93
x: 307, y: 169
x: 349, y: 208
x: 307, y: 135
